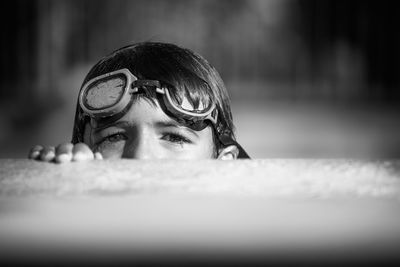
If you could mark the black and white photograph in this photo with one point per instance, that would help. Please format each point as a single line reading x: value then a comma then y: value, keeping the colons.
x: 199, y: 132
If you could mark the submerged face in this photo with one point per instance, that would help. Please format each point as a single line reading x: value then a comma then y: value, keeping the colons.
x: 146, y: 132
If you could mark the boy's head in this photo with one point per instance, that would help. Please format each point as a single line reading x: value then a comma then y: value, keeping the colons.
x: 166, y: 82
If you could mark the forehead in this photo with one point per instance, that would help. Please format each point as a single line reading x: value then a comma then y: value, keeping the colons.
x: 146, y: 111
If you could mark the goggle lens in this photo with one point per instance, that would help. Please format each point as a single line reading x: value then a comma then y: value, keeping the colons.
x: 181, y: 101
x: 105, y: 93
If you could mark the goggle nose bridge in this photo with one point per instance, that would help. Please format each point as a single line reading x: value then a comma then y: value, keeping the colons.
x: 136, y: 85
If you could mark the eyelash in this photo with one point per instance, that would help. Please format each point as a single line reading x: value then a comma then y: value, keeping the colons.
x: 176, y: 138
x: 113, y: 135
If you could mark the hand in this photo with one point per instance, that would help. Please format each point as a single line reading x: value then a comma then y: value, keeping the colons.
x: 63, y: 153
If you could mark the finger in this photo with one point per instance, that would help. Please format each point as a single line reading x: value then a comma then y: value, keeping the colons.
x: 35, y: 152
x: 47, y: 154
x: 81, y: 152
x: 64, y: 153
x: 98, y: 155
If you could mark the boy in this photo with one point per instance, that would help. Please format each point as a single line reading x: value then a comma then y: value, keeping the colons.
x: 150, y: 101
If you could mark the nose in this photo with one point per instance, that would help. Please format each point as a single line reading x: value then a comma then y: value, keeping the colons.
x: 140, y: 148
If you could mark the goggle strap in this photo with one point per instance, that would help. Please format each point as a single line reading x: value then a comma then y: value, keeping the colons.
x: 226, y: 140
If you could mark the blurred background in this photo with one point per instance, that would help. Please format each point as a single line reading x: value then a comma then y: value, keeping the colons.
x: 307, y: 78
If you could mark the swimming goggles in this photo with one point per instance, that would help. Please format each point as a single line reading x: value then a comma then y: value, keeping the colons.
x: 110, y: 94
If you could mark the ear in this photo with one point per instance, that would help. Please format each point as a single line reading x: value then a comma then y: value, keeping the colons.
x: 228, y: 153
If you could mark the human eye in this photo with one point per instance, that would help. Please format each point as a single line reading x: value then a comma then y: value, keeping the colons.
x: 111, y: 138
x: 114, y: 137
x: 176, y: 138
x: 110, y: 142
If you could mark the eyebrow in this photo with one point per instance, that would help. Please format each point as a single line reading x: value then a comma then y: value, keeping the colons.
x: 171, y: 123
x: 122, y: 124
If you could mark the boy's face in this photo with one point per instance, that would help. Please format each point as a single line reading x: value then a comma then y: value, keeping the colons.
x: 146, y: 132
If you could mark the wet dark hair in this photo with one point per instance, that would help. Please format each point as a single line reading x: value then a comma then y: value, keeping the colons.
x: 187, y: 71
